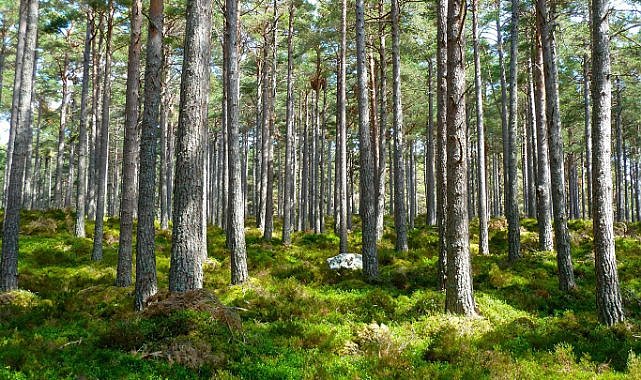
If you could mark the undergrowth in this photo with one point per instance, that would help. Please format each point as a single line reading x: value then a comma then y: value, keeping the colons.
x: 297, y: 319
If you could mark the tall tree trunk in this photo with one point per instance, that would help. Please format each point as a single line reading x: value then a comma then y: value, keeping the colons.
x: 458, y: 298
x: 146, y: 282
x: 430, y: 195
x: 289, y: 142
x: 504, y: 100
x: 608, y: 295
x: 15, y: 100
x: 341, y: 124
x: 81, y: 193
x: 64, y: 108
x: 553, y: 115
x: 236, y: 225
x: 96, y: 88
x: 103, y: 143
x: 588, y: 130
x: 367, y: 185
x: 186, y: 267
x: 480, y: 132
x: 400, y: 211
x: 620, y: 213
x: 543, y: 210
x: 382, y: 124
x: 130, y: 148
x: 512, y: 205
x: 269, y: 207
x: 441, y: 137
x: 531, y: 144
x: 11, y: 223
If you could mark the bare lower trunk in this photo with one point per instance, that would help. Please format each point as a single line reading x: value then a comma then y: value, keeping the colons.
x: 543, y: 205
x: 146, y: 282
x: 608, y: 295
x: 130, y: 149
x: 441, y: 136
x: 480, y: 131
x: 459, y: 293
x: 367, y: 185
x: 81, y: 193
x: 103, y: 152
x: 400, y: 211
x: 186, y: 267
x: 11, y: 223
x: 236, y: 225
x: 342, y: 133
x: 561, y: 234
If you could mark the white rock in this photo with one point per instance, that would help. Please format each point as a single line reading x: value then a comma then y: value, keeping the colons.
x: 351, y: 261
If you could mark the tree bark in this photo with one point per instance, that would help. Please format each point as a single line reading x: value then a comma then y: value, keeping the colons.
x: 81, y: 193
x: 186, y: 267
x: 367, y: 185
x: 130, y: 148
x: 15, y: 100
x: 11, y: 223
x: 236, y: 224
x: 382, y: 124
x: 608, y: 295
x: 458, y: 298
x: 146, y: 282
x: 561, y: 233
x: 512, y: 205
x: 543, y: 205
x: 441, y: 136
x: 480, y: 132
x: 103, y: 143
x: 588, y: 130
x: 400, y: 211
x: 341, y: 124
x: 430, y: 195
x: 289, y: 142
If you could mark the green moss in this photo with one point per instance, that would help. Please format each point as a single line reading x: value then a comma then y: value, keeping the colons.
x: 301, y: 320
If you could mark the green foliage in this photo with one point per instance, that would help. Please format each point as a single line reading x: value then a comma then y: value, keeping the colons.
x: 297, y: 319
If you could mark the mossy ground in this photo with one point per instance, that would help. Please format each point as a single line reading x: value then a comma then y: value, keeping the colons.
x: 300, y: 320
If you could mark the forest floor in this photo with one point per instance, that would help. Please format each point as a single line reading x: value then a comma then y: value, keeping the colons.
x: 297, y: 319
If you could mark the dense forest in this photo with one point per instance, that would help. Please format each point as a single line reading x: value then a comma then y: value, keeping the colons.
x: 320, y: 189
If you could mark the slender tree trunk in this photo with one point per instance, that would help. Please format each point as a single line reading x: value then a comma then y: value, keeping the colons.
x: 561, y: 233
x: 289, y: 142
x: 441, y: 137
x: 341, y: 124
x: 588, y: 130
x: 186, y: 267
x: 81, y: 193
x: 64, y: 108
x: 504, y: 100
x: 103, y: 143
x: 619, y: 154
x: 367, y: 185
x: 512, y: 205
x: 531, y: 144
x: 96, y: 89
x: 15, y: 100
x: 11, y: 222
x: 400, y: 211
x: 382, y: 124
x: 459, y: 294
x: 146, y: 282
x: 236, y: 225
x: 608, y: 295
x: 480, y: 131
x: 543, y: 205
x: 430, y: 195
x: 130, y: 149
